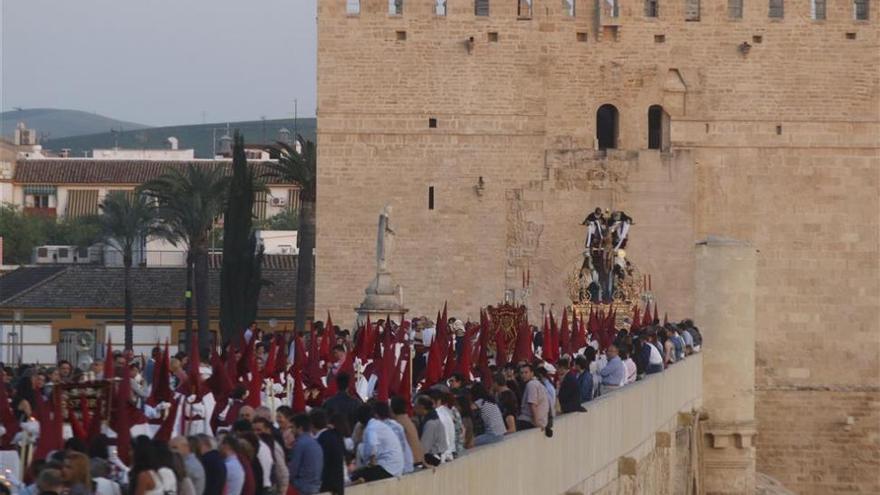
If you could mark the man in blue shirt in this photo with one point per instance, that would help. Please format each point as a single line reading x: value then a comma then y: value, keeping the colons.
x: 614, y: 373
x: 306, y: 458
x: 585, y: 378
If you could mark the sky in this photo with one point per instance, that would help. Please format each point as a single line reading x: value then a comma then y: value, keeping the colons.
x: 160, y: 62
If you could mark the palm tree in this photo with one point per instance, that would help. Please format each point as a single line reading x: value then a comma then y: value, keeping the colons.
x: 128, y: 220
x: 190, y: 201
x: 300, y: 167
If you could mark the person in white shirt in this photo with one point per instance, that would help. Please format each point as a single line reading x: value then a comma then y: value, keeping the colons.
x: 629, y: 366
x: 380, y: 449
x: 448, y: 421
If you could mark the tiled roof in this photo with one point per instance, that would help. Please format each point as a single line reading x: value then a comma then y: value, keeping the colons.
x: 92, y: 171
x: 270, y: 261
x: 152, y: 288
x: 22, y: 279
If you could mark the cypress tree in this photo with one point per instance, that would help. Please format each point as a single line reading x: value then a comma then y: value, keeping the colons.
x: 240, y: 275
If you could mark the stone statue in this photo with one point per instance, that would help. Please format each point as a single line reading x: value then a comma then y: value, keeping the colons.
x: 384, y: 240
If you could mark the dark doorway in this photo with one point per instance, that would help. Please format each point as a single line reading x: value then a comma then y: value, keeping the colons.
x: 606, y: 127
x: 658, y: 128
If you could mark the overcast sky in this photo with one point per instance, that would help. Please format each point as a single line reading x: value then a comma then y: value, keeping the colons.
x: 161, y: 62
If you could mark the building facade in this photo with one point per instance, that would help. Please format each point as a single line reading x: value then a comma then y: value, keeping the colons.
x: 493, y: 127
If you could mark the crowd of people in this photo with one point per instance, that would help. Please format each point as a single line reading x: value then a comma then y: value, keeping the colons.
x: 321, y: 414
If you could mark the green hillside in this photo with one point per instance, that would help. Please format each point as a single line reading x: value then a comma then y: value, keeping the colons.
x: 56, y: 123
x: 199, y: 137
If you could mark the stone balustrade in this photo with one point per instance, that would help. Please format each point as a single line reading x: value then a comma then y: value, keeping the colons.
x: 626, y: 442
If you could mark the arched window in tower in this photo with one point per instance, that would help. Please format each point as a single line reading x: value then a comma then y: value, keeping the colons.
x: 606, y: 127
x: 440, y: 7
x: 395, y: 7
x: 658, y: 128
x: 481, y: 8
x: 524, y: 9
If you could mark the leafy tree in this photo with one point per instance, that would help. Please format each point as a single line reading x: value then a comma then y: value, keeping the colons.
x: 190, y: 202
x: 301, y: 167
x: 287, y: 219
x: 22, y: 233
x: 240, y: 276
x: 128, y: 220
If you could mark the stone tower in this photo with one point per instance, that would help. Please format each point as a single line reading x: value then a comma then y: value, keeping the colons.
x: 494, y: 126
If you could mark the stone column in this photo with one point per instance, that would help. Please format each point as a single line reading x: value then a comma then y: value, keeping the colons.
x: 725, y: 313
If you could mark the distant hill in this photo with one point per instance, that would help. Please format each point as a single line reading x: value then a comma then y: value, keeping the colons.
x: 58, y: 123
x: 200, y: 137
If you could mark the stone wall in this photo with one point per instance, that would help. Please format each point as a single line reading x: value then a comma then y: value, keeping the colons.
x: 632, y: 441
x: 776, y: 145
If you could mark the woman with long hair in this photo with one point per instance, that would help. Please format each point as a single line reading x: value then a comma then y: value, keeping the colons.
x: 144, y: 475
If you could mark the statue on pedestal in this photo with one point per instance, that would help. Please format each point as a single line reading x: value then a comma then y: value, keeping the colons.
x: 383, y: 296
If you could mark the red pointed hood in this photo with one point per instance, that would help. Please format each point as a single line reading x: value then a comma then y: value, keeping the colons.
x: 51, y: 423
x: 326, y: 342
x: 161, y: 390
x: 646, y: 318
x: 564, y: 334
x: 298, y: 403
x: 524, y: 350
x: 502, y: 356
x: 122, y: 425
x: 579, y: 335
x: 636, y: 319
x: 220, y: 383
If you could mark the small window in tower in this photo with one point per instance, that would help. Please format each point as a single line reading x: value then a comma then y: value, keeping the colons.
x: 431, y: 197
x: 395, y: 7
x: 440, y: 7
x: 817, y: 10
x: 860, y: 9
x: 352, y: 7
x: 432, y: 123
x: 481, y: 8
x: 734, y: 9
x: 757, y: 39
x: 582, y: 37
x: 779, y: 130
x: 692, y: 10
x: 652, y: 8
x: 776, y: 9
x: 568, y: 7
x: 659, y: 38
x: 524, y: 9
x: 401, y: 35
x: 492, y: 37
x: 850, y: 36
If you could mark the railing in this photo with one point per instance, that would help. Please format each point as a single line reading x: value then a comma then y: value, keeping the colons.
x: 583, y: 444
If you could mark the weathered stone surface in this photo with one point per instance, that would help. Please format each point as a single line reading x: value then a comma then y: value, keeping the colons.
x: 778, y: 147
